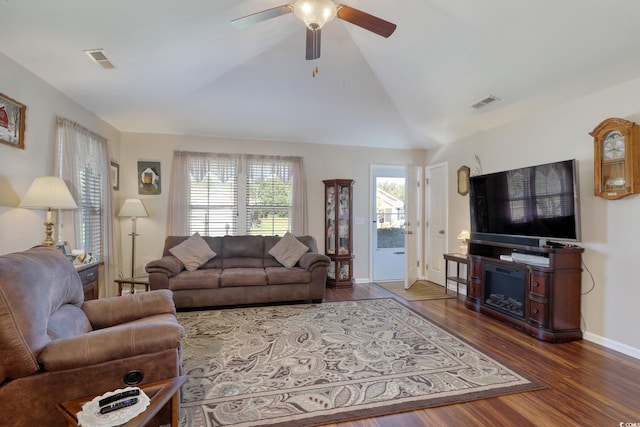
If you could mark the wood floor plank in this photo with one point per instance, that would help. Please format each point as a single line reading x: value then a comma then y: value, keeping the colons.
x: 586, y: 384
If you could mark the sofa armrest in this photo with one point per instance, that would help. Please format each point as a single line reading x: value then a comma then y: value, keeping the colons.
x: 169, y: 265
x: 106, y: 312
x: 312, y: 260
x: 108, y: 344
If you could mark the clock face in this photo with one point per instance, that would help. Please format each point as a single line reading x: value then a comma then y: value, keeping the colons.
x: 613, y: 146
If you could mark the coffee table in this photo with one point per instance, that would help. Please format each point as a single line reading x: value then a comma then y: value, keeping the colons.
x: 160, y: 393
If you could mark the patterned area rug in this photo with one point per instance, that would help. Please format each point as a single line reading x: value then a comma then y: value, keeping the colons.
x: 311, y: 364
x: 421, y: 290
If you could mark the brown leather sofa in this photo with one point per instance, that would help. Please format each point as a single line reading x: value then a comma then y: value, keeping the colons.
x: 242, y: 272
x: 55, y: 348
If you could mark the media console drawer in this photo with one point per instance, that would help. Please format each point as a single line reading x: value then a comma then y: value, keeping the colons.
x: 538, y: 284
x: 89, y: 276
x: 538, y: 312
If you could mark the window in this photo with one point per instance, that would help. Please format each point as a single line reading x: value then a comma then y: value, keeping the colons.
x: 213, y: 195
x: 269, y: 189
x: 232, y: 194
x: 83, y: 162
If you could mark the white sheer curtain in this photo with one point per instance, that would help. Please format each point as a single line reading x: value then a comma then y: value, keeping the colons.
x: 194, y: 165
x: 81, y: 152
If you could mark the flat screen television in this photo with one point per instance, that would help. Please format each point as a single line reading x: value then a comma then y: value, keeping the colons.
x: 537, y: 202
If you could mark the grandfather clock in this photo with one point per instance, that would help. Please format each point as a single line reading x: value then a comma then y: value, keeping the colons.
x: 338, y: 221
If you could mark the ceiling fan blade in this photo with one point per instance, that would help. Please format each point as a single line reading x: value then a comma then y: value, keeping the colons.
x: 366, y: 21
x: 248, y: 20
x: 313, y: 43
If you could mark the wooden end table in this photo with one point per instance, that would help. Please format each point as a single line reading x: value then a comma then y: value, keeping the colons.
x: 133, y: 281
x: 160, y: 393
x: 458, y: 259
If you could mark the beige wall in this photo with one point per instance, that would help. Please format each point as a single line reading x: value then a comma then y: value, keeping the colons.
x: 610, y: 229
x: 23, y: 228
x: 321, y: 162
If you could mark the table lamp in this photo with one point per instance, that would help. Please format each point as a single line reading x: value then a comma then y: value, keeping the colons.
x: 464, y: 236
x: 133, y: 208
x: 48, y: 192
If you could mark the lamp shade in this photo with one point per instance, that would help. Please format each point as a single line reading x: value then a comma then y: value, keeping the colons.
x: 464, y: 235
x: 48, y: 192
x: 132, y: 208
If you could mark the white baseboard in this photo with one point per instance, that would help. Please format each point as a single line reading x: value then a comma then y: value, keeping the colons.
x: 613, y: 345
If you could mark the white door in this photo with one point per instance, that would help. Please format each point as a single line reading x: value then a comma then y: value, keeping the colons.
x: 436, y: 222
x: 387, y: 231
x: 412, y: 224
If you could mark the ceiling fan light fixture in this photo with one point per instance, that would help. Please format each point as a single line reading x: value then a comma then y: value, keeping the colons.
x: 315, y: 13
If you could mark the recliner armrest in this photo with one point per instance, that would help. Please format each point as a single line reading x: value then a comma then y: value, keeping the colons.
x: 169, y: 265
x: 114, y: 343
x: 312, y: 260
x: 106, y: 312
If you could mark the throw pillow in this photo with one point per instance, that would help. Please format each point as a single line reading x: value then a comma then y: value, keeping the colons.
x: 193, y: 252
x: 288, y: 250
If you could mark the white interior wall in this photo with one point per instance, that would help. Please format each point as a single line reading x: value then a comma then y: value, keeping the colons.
x: 23, y: 228
x: 320, y: 161
x: 609, y: 228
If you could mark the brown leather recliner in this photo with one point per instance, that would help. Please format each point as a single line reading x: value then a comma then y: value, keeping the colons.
x: 54, y: 347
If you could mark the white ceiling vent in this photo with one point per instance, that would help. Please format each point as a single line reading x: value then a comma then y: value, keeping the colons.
x: 98, y: 56
x: 485, y: 101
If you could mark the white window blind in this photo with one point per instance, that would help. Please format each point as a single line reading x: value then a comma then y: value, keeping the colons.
x: 89, y: 211
x: 269, y: 188
x: 213, y: 195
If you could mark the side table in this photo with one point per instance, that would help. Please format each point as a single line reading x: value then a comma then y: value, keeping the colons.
x: 160, y: 393
x: 90, y: 277
x: 458, y: 259
x: 132, y: 281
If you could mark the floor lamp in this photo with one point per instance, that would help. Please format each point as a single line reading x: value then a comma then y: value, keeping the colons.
x: 133, y: 208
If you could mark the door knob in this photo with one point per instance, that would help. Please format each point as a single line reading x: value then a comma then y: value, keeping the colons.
x: 409, y: 232
x: 441, y: 232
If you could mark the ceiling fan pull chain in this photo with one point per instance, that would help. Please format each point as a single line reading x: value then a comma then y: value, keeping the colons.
x: 315, y: 71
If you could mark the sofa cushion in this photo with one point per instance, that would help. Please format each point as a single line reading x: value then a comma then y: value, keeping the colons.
x: 243, y: 277
x: 68, y: 321
x: 193, y: 252
x: 284, y: 275
x: 288, y: 250
x: 200, y: 279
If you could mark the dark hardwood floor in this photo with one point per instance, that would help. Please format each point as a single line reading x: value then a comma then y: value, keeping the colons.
x: 587, y: 384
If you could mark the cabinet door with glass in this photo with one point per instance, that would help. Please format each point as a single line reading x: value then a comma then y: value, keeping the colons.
x: 616, y: 158
x: 338, y: 231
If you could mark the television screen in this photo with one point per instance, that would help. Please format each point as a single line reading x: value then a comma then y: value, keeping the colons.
x: 538, y: 201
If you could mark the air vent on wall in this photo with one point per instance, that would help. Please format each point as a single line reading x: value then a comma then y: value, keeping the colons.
x: 98, y: 56
x: 485, y: 101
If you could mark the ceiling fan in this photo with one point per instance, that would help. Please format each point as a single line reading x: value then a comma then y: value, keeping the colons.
x: 315, y: 14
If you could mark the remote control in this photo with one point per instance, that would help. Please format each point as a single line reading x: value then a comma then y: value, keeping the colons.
x: 118, y: 405
x: 118, y: 396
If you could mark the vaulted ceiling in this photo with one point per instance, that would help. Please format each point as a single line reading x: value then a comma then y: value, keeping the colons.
x: 182, y: 68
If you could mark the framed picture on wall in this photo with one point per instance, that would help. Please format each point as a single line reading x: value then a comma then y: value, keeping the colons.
x: 149, y: 177
x: 12, y: 119
x: 115, y: 176
x: 463, y: 180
